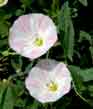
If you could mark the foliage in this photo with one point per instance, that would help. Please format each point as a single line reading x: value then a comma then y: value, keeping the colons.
x: 74, y: 22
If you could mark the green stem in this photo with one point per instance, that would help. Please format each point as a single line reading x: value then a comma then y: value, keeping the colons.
x: 47, y: 55
x: 22, y: 73
x: 79, y: 94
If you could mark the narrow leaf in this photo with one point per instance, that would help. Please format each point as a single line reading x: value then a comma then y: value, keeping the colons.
x: 85, y: 36
x: 84, y: 2
x: 67, y: 31
x: 86, y: 74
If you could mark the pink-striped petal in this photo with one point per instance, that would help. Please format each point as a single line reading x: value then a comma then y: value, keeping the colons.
x: 29, y: 27
x: 44, y: 73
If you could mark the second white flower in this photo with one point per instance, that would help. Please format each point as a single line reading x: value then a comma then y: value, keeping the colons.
x: 48, y: 81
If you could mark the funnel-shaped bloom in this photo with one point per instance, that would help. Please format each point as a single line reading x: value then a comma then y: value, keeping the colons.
x: 32, y: 35
x: 48, y: 81
x: 3, y: 2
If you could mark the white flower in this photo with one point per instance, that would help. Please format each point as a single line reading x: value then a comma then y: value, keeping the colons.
x: 32, y: 35
x: 48, y: 81
x: 3, y: 2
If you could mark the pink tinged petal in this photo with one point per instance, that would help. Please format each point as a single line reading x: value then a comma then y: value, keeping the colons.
x: 42, y: 74
x: 64, y: 72
x: 51, y: 30
x: 40, y: 19
x: 36, y: 52
x: 26, y: 27
x: 32, y: 54
x: 15, y: 34
x: 45, y: 97
x: 43, y: 23
x: 16, y: 43
x: 18, y: 46
x: 47, y: 64
x: 22, y: 24
x: 33, y: 26
x: 66, y: 87
x: 46, y: 25
x: 38, y: 74
x: 51, y: 41
x: 32, y: 84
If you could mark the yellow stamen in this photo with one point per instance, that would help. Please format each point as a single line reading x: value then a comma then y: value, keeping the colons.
x: 53, y: 86
x: 38, y: 42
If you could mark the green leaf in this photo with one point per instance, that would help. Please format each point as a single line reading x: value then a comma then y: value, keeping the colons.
x: 91, y: 51
x: 19, y: 12
x: 90, y: 88
x: 8, y: 94
x: 76, y: 78
x: 26, y: 3
x: 3, y: 87
x: 5, y: 53
x: 66, y: 27
x: 18, y: 91
x: 35, y: 105
x: 4, y: 15
x: 85, y: 36
x: 4, y: 28
x: 86, y: 74
x: 80, y: 81
x: 20, y: 103
x: 17, y: 64
x: 3, y: 42
x: 77, y: 81
x: 9, y: 99
x: 84, y: 2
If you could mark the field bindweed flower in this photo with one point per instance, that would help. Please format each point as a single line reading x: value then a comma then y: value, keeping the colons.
x: 32, y: 35
x: 3, y: 2
x: 48, y: 81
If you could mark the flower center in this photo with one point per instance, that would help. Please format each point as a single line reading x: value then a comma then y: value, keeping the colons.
x: 1, y: 1
x: 53, y: 86
x: 38, y: 41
